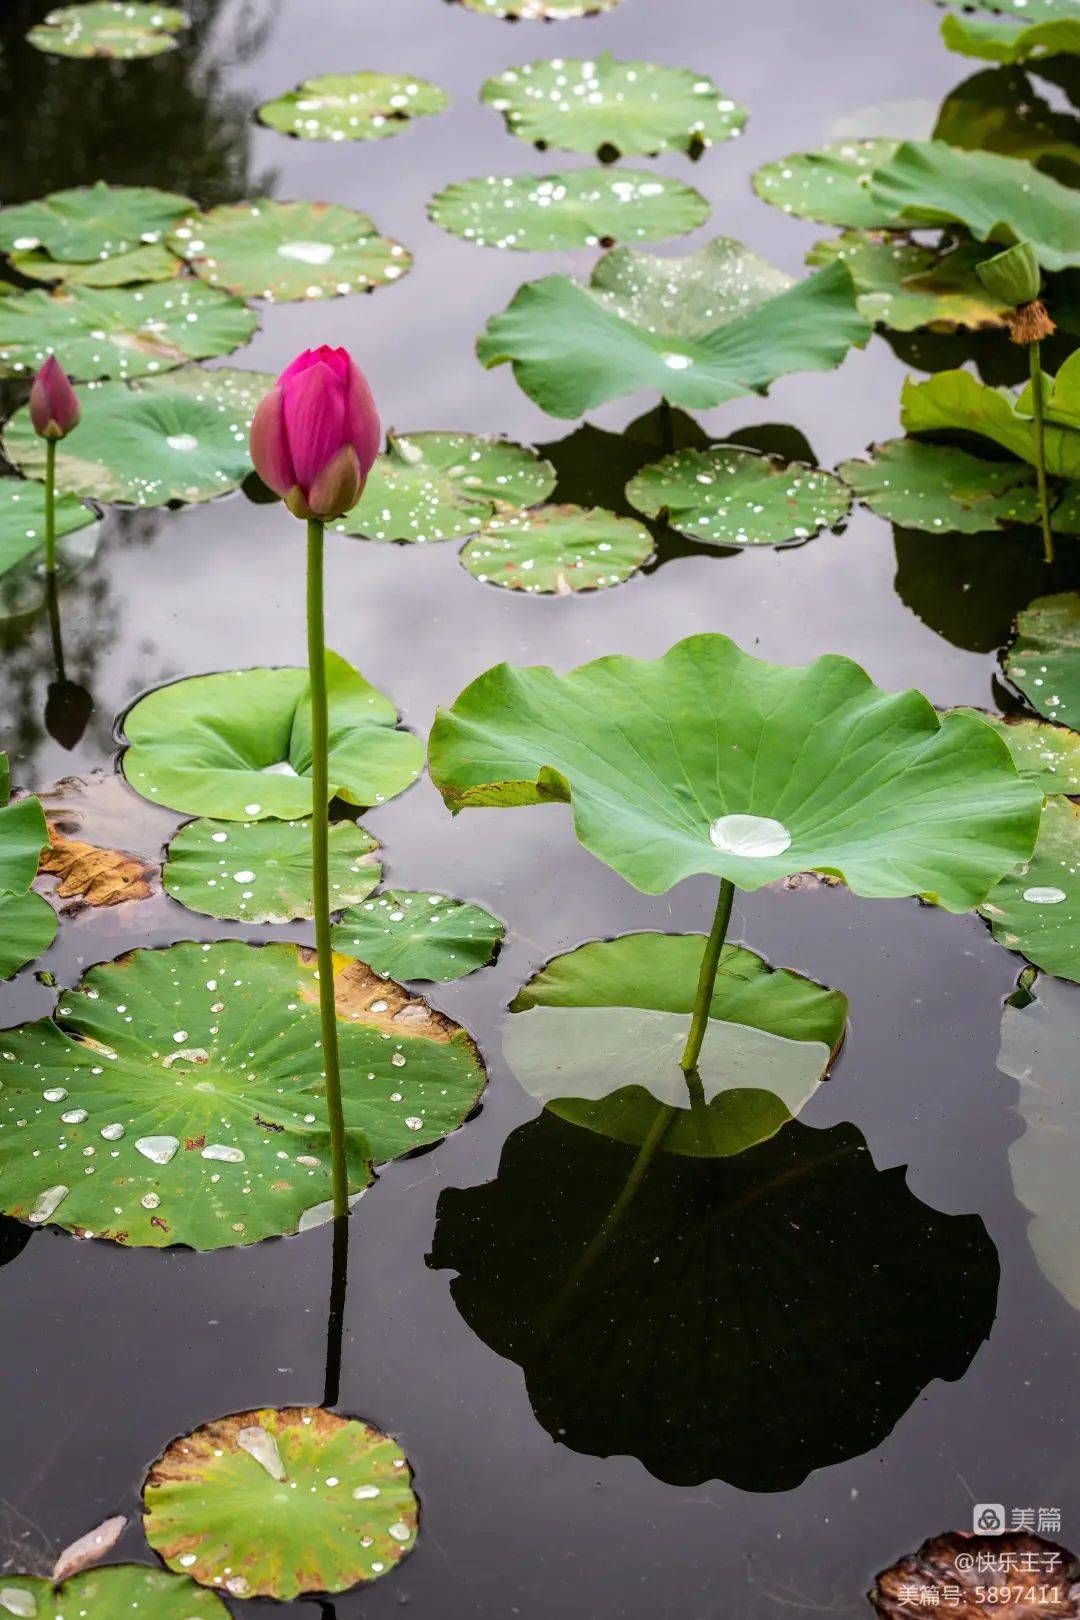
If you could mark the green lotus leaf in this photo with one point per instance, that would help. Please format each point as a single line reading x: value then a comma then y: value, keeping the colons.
x: 999, y: 110
x: 443, y: 486
x: 905, y: 286
x: 597, y: 1036
x: 104, y: 1594
x: 22, y: 543
x: 573, y: 209
x: 557, y: 550
x: 23, y: 836
x: 613, y: 109
x: 179, y: 1098
x: 99, y: 332
x: 957, y: 402
x: 1043, y: 753
x: 731, y: 497
x: 700, y: 330
x: 96, y: 222
x: 419, y: 935
x: 998, y: 199
x: 27, y: 929
x: 285, y: 251
x: 260, y: 871
x: 150, y: 263
x: 232, y: 389
x: 1001, y: 33
x: 237, y: 746
x: 698, y: 762
x: 1044, y: 661
x: 352, y: 106
x: 696, y: 1324
x: 27, y: 922
x: 942, y: 489
x: 280, y: 1502
x: 1036, y: 910
x: 832, y: 186
x: 540, y: 10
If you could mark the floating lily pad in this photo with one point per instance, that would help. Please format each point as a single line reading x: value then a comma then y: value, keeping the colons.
x: 443, y: 486
x: 1009, y: 33
x: 22, y: 543
x: 238, y: 746
x: 905, y: 286
x: 352, y: 106
x: 419, y: 935
x: 1043, y: 753
x: 1044, y: 661
x: 577, y: 208
x: 540, y: 10
x: 27, y: 922
x: 709, y: 327
x: 27, y: 929
x: 88, y: 223
x: 150, y: 263
x: 179, y: 1095
x: 597, y: 1036
x: 942, y: 489
x: 1036, y: 911
x: 957, y: 402
x: 103, y: 1594
x: 613, y: 109
x: 697, y: 762
x: 118, y: 30
x: 731, y: 497
x: 832, y: 186
x: 260, y: 871
x: 290, y: 250
x: 280, y: 1502
x: 557, y: 550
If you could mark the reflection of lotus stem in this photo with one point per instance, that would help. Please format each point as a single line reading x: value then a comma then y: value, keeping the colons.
x: 50, y: 507
x: 707, y: 977
x: 335, y: 1325
x: 320, y: 861
x: 1040, y: 447
x: 667, y: 425
x: 52, y: 605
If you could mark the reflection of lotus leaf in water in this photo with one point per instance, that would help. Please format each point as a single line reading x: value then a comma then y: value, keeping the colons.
x: 748, y: 1319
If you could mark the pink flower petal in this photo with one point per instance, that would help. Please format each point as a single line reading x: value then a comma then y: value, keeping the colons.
x: 269, y: 444
x: 362, y: 419
x: 314, y: 420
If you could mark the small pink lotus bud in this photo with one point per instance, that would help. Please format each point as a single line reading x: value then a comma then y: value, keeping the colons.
x: 54, y: 404
x: 316, y: 433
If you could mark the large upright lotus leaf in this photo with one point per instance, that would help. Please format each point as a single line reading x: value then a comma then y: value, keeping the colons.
x: 905, y: 286
x: 573, y: 209
x: 352, y: 106
x: 557, y: 550
x: 124, y: 332
x: 957, y: 402
x: 105, y: 1594
x: 151, y: 262
x: 237, y: 746
x: 613, y: 109
x: 419, y: 935
x: 1044, y: 661
x: 288, y: 250
x: 597, y: 1036
x: 832, y: 185
x: 260, y: 871
x: 942, y: 489
x: 179, y: 1095
x: 1047, y: 28
x: 540, y: 10
x: 22, y: 542
x: 1036, y: 910
x: 749, y: 1319
x: 96, y: 222
x: 708, y: 760
x: 709, y: 327
x: 280, y: 1502
x: 27, y: 929
x: 999, y: 199
x: 1045, y: 754
x: 443, y: 486
x: 731, y: 497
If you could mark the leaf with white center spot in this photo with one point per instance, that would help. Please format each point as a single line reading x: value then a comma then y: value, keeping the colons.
x: 132, y: 1590
x: 260, y: 871
x: 352, y: 106
x: 942, y: 489
x: 732, y: 497
x: 577, y: 208
x: 557, y: 550
x: 1036, y: 910
x: 419, y: 935
x: 1044, y: 660
x: 832, y: 185
x: 120, y: 30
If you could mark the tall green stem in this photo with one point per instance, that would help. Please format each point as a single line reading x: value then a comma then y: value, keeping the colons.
x: 50, y: 507
x: 320, y: 861
x: 1035, y: 358
x: 707, y: 977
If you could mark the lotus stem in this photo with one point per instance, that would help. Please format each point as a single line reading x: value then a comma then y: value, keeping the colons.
x: 707, y: 977
x: 50, y: 508
x: 320, y: 861
x: 1035, y: 358
x: 335, y: 1324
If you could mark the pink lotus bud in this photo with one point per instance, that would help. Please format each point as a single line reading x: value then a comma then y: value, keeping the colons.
x: 316, y: 433
x: 54, y: 404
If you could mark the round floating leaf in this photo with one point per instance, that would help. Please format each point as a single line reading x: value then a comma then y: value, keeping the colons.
x: 419, y: 936
x: 1036, y: 911
x: 283, y: 251
x: 126, y: 332
x: 443, y: 486
x: 260, y: 871
x: 281, y: 1502
x: 540, y: 10
x: 597, y: 1036
x: 103, y: 1594
x: 904, y: 286
x: 709, y: 327
x: 22, y: 543
x: 150, y: 263
x: 1045, y: 754
x: 577, y: 208
x: 231, y: 389
x: 731, y: 497
x: 557, y: 550
x: 96, y: 222
x: 179, y: 1095
x: 613, y: 109
x: 698, y: 762
x: 1044, y: 661
x: 27, y: 929
x: 238, y: 746
x: 832, y: 185
x: 352, y: 106
x: 942, y: 489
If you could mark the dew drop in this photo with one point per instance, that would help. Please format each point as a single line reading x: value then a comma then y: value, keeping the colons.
x: 365, y: 1493
x: 226, y: 1154
x: 112, y: 1133
x: 55, y: 1094
x: 45, y: 1206
x: 261, y: 1445
x: 400, y: 1532
x: 754, y: 837
x: 182, y: 441
x: 158, y: 1149
x: 74, y: 1116
x: 1038, y: 896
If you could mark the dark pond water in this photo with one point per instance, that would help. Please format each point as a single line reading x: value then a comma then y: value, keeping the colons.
x: 108, y: 1353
